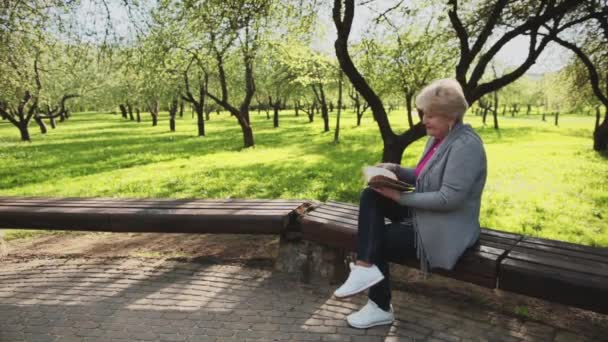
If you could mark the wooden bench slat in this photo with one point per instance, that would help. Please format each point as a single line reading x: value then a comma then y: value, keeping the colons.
x: 345, y: 220
x: 580, y: 254
x: 567, y: 247
x: 146, y: 220
x: 558, y: 261
x: 555, y: 284
x: 342, y: 205
x: 4, y: 199
x: 146, y: 211
x: 500, y: 234
x: 338, y: 211
x: 324, y: 219
x: 159, y: 206
x: 330, y: 211
x: 132, y: 203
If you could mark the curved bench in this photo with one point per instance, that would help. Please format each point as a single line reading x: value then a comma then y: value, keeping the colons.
x: 316, y: 237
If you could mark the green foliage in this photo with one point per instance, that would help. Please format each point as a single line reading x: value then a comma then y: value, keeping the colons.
x: 522, y: 311
x: 543, y: 180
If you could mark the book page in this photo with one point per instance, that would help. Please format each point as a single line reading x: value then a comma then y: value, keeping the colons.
x: 371, y: 171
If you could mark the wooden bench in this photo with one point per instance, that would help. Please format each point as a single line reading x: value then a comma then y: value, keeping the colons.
x: 322, y: 234
x: 557, y: 271
x: 560, y: 272
x: 149, y: 215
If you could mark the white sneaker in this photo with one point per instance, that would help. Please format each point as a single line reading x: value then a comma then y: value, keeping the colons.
x: 360, y: 279
x: 370, y: 316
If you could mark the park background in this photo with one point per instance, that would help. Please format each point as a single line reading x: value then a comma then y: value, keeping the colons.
x: 246, y: 99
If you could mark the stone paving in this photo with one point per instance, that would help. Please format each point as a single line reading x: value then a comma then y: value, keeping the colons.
x: 128, y: 299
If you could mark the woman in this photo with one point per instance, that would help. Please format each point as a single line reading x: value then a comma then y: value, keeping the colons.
x: 444, y: 208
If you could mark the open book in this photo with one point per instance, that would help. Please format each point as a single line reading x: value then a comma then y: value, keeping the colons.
x: 378, y: 177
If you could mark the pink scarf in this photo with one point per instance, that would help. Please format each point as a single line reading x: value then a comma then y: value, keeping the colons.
x: 427, y: 157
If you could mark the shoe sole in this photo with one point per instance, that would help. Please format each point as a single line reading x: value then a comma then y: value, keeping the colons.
x: 375, y: 324
x: 350, y: 294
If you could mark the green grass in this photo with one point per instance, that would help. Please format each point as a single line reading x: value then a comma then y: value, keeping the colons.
x: 543, y: 180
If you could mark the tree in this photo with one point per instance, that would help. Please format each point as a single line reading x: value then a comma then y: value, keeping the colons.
x: 311, y: 70
x: 232, y: 28
x: 479, y: 43
x: 595, y: 59
x: 419, y: 52
x: 35, y: 64
x: 394, y: 144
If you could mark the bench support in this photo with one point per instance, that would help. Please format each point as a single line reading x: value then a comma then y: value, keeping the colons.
x: 310, y: 262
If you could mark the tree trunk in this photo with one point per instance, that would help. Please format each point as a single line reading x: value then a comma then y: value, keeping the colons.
x: 130, y: 109
x: 408, y: 104
x: 52, y: 121
x: 359, y: 114
x: 600, y: 134
x: 138, y: 114
x: 41, y: 124
x: 484, y: 115
x: 325, y: 116
x: 154, y: 112
x: 322, y: 101
x: 324, y: 109
x: 337, y: 132
x: 123, y: 110
x: 394, y: 148
x: 275, y: 119
x: 172, y: 113
x: 495, y: 111
x: 528, y: 110
x: 25, y: 134
x: 200, y: 120
x: 275, y: 110
x: 247, y: 136
x: 297, y: 108
x: 181, y: 109
x: 556, y: 118
x: 543, y: 119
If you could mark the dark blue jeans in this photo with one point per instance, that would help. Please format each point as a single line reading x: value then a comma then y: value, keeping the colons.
x: 378, y: 243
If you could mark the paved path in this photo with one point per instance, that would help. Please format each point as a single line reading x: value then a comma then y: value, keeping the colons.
x: 159, y: 300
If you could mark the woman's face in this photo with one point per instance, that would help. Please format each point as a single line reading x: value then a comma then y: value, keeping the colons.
x: 437, y: 125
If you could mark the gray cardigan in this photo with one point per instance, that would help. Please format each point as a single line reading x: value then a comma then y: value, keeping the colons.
x: 447, y: 198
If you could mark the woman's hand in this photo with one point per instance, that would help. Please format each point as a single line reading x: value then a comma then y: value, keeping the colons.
x: 388, y: 193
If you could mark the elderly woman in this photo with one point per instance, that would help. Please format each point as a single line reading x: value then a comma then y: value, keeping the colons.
x: 444, y: 208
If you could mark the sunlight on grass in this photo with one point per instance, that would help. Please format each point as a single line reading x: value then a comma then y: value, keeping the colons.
x: 543, y: 180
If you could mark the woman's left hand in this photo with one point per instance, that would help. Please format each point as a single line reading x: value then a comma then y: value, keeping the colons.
x: 388, y: 193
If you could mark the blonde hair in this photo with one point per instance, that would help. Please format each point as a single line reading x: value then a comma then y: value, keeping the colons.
x: 443, y: 97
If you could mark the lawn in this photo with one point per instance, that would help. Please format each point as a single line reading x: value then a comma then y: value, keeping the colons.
x: 543, y: 180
